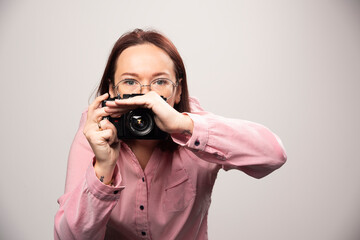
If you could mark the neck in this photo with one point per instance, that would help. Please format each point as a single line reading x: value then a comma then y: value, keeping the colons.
x: 142, y: 149
x: 143, y: 144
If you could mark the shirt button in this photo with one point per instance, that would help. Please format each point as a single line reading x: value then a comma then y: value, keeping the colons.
x: 115, y: 192
x: 141, y: 207
x: 143, y: 233
x: 143, y: 179
x: 197, y: 143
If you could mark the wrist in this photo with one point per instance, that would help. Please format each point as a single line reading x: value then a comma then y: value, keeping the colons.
x: 186, y: 124
x: 104, y: 172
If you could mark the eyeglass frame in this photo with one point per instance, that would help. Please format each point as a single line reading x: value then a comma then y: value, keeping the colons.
x: 175, y: 85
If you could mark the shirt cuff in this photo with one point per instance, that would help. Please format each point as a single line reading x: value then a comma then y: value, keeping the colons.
x: 99, y: 189
x: 200, y: 135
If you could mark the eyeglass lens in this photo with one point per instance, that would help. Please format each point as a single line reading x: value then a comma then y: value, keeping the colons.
x: 164, y: 87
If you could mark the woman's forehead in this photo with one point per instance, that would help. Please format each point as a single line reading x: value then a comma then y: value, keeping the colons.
x: 144, y: 59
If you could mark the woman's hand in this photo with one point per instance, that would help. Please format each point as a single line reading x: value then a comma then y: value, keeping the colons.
x: 166, y: 117
x: 102, y: 136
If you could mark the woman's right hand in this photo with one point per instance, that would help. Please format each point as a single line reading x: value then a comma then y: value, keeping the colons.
x: 103, y: 141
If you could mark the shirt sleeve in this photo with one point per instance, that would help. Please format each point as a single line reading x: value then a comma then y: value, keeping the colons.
x: 87, y: 203
x: 233, y: 143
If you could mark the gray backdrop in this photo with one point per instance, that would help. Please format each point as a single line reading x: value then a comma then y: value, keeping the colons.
x: 293, y: 66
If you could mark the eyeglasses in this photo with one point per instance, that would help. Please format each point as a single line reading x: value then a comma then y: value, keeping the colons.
x: 163, y: 86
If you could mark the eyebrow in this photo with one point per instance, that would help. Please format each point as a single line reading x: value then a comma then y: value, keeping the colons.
x: 137, y: 75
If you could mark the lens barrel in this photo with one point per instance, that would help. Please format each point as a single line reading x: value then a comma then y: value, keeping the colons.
x: 140, y: 122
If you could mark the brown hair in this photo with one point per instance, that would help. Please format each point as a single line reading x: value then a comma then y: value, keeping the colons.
x: 137, y: 37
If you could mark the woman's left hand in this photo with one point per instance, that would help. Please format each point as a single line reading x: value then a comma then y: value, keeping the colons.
x: 166, y: 117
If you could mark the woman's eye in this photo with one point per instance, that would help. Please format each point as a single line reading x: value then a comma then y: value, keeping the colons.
x: 129, y: 82
x: 160, y: 82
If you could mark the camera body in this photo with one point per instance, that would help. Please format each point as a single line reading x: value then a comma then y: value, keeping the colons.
x: 136, y: 124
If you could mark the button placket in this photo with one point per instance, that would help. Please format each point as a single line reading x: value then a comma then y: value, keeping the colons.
x: 142, y: 225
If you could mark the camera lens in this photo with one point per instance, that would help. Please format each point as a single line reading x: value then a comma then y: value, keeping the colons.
x: 140, y: 122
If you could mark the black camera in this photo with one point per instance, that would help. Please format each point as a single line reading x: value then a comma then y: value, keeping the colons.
x: 136, y: 124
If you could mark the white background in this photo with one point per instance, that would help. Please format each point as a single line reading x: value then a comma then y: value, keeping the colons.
x: 293, y: 66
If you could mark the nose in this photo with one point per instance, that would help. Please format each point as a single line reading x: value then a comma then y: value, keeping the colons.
x: 145, y: 89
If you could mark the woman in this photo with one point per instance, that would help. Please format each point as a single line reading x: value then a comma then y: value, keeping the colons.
x: 153, y: 189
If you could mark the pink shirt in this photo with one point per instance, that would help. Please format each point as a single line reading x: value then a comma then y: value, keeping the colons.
x: 170, y: 199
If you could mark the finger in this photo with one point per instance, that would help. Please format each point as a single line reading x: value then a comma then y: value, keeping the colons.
x: 106, y: 135
x: 135, y: 101
x: 147, y: 100
x: 111, y: 104
x: 116, y: 109
x: 116, y: 115
x: 112, y: 107
x: 98, y: 114
x: 96, y: 103
x: 107, y: 125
